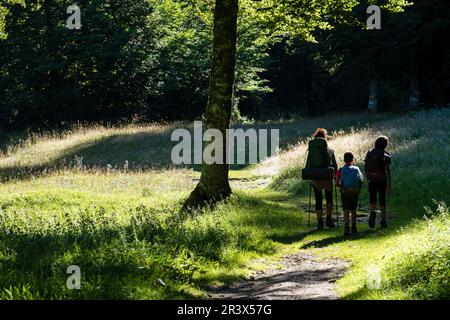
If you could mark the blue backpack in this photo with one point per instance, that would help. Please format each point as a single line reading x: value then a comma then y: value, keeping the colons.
x: 351, y: 180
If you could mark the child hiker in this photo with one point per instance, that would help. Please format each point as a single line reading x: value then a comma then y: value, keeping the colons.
x: 349, y: 178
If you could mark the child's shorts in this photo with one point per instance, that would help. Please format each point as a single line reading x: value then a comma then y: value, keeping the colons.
x: 349, y: 202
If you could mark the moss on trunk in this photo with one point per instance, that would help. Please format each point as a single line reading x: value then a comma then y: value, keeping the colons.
x: 214, y: 184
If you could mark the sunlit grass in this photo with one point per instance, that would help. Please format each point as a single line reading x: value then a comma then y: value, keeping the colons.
x: 122, y: 223
x: 420, y: 150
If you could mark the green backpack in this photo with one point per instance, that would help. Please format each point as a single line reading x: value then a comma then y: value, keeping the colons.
x: 318, y: 155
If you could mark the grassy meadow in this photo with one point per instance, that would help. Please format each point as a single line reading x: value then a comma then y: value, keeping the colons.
x: 108, y: 200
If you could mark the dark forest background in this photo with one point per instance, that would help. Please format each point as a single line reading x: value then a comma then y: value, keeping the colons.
x: 149, y: 60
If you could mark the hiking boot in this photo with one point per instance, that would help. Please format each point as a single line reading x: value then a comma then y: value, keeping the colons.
x: 354, y: 230
x: 372, y: 218
x: 383, y: 224
x: 329, y: 222
x: 320, y: 224
x: 346, y: 229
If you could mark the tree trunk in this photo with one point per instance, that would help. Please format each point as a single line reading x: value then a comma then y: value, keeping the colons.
x: 414, y: 93
x: 308, y: 88
x: 214, y: 185
x: 414, y: 90
x: 374, y: 81
x: 373, y: 95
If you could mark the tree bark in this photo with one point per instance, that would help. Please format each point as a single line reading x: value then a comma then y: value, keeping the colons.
x: 374, y: 81
x: 414, y: 91
x: 308, y: 88
x: 373, y: 95
x: 214, y: 185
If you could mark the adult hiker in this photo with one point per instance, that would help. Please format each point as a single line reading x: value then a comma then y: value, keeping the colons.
x: 349, y: 179
x: 320, y: 156
x: 378, y: 172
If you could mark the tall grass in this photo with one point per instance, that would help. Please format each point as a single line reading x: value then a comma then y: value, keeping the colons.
x: 419, y: 266
x: 123, y: 227
x: 420, y: 152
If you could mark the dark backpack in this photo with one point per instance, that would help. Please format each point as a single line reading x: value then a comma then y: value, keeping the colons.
x: 318, y: 155
x: 374, y: 165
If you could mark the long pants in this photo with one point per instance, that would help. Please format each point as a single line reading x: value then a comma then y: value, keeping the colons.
x: 319, y: 197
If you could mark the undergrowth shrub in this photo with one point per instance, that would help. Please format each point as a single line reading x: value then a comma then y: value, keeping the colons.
x: 420, y: 262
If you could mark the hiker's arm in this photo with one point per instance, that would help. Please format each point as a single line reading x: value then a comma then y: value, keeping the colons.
x: 388, y: 162
x: 365, y: 164
x: 361, y: 179
x: 388, y: 174
x: 333, y: 162
x: 337, y: 178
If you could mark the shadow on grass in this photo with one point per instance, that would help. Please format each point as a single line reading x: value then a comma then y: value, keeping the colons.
x: 337, y: 239
x: 118, y: 262
x: 109, y: 269
x: 277, y: 216
x: 152, y: 150
x: 142, y: 151
x: 290, y: 239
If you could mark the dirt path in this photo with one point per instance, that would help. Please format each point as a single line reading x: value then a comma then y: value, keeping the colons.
x: 298, y: 276
x: 301, y: 277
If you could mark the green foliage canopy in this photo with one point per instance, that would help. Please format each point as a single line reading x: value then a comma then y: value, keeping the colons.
x: 3, y: 12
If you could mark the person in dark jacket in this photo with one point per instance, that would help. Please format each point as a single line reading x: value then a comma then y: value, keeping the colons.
x: 378, y: 171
